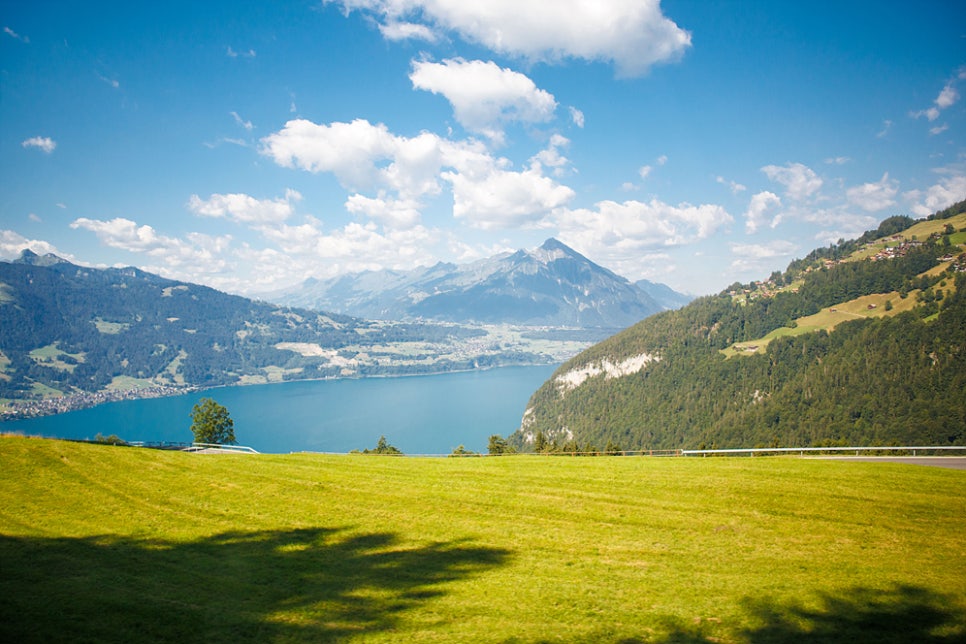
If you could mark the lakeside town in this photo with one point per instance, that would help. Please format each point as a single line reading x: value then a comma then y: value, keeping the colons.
x: 23, y: 409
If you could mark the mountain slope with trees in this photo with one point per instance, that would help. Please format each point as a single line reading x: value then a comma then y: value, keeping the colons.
x: 895, y: 374
x: 74, y: 331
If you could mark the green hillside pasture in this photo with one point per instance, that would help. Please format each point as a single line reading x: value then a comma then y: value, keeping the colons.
x: 101, y: 543
x: 867, y: 306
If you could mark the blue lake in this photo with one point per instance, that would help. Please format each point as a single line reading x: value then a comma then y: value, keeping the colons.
x: 419, y: 414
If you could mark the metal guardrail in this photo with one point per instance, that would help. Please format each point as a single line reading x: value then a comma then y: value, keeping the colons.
x: 810, y: 450
x: 215, y: 447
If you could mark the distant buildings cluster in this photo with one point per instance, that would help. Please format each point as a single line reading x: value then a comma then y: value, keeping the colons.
x: 20, y: 409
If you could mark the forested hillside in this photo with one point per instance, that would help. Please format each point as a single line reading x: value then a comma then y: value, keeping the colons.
x: 73, y: 331
x: 863, y: 342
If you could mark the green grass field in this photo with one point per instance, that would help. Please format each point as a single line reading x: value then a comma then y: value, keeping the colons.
x: 101, y: 543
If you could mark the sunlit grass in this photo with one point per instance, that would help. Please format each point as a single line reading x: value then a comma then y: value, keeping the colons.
x: 184, y: 547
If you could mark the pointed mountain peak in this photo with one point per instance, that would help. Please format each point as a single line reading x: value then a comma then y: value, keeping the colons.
x: 553, y: 244
x: 31, y: 258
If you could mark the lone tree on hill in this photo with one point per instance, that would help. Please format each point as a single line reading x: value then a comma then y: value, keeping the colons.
x: 211, y: 423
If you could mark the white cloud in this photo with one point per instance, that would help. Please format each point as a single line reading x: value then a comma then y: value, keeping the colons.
x: 761, y: 205
x: 551, y: 156
x: 837, y: 160
x: 734, y: 186
x: 950, y: 189
x: 576, y: 116
x: 242, y: 122
x: 799, y: 180
x: 392, y: 213
x: 307, y: 250
x: 43, y: 143
x: 886, y: 128
x: 187, y: 258
x: 497, y: 198
x: 231, y: 53
x: 637, y: 225
x: 243, y: 208
x: 644, y: 171
x: 630, y: 237
x: 947, y: 98
x: 633, y: 34
x: 13, y: 34
x: 407, y: 31
x: 348, y: 150
x: 939, y: 129
x: 113, y: 82
x: 873, y: 197
x: 13, y: 243
x: 487, y: 192
x: 485, y: 96
x: 761, y: 257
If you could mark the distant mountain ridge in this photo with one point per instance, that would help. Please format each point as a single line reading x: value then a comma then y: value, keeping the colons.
x: 552, y: 285
x: 90, y: 335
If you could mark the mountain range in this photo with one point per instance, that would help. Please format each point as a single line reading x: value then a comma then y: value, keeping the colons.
x: 89, y: 335
x: 860, y: 343
x: 552, y: 285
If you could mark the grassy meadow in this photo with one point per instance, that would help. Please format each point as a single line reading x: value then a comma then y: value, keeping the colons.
x: 102, y: 543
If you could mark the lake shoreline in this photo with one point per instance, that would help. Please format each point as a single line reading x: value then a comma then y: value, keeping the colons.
x: 25, y: 409
x: 430, y: 414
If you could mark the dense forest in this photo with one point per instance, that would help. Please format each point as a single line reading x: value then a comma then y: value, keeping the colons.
x: 888, y: 378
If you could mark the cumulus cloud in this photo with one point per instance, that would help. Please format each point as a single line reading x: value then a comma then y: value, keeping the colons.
x: 949, y: 190
x: 759, y: 257
x: 498, y: 198
x: 628, y: 236
x: 552, y: 157
x: 42, y: 143
x: 484, y: 95
x: 392, y: 213
x: 193, y: 255
x: 487, y: 192
x: 13, y: 243
x: 799, y: 180
x: 761, y: 206
x: 246, y: 209
x: 873, y: 197
x: 632, y: 34
x: 348, y: 150
x: 640, y: 225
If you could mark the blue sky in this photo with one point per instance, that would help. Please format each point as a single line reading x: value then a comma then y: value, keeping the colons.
x: 250, y: 145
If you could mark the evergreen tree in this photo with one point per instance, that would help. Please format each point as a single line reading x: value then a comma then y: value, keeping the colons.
x: 498, y: 445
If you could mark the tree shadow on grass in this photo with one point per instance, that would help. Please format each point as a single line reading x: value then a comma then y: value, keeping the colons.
x: 901, y: 614
x: 299, y: 585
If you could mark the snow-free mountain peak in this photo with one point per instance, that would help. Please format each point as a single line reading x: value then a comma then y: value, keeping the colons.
x: 552, y: 285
